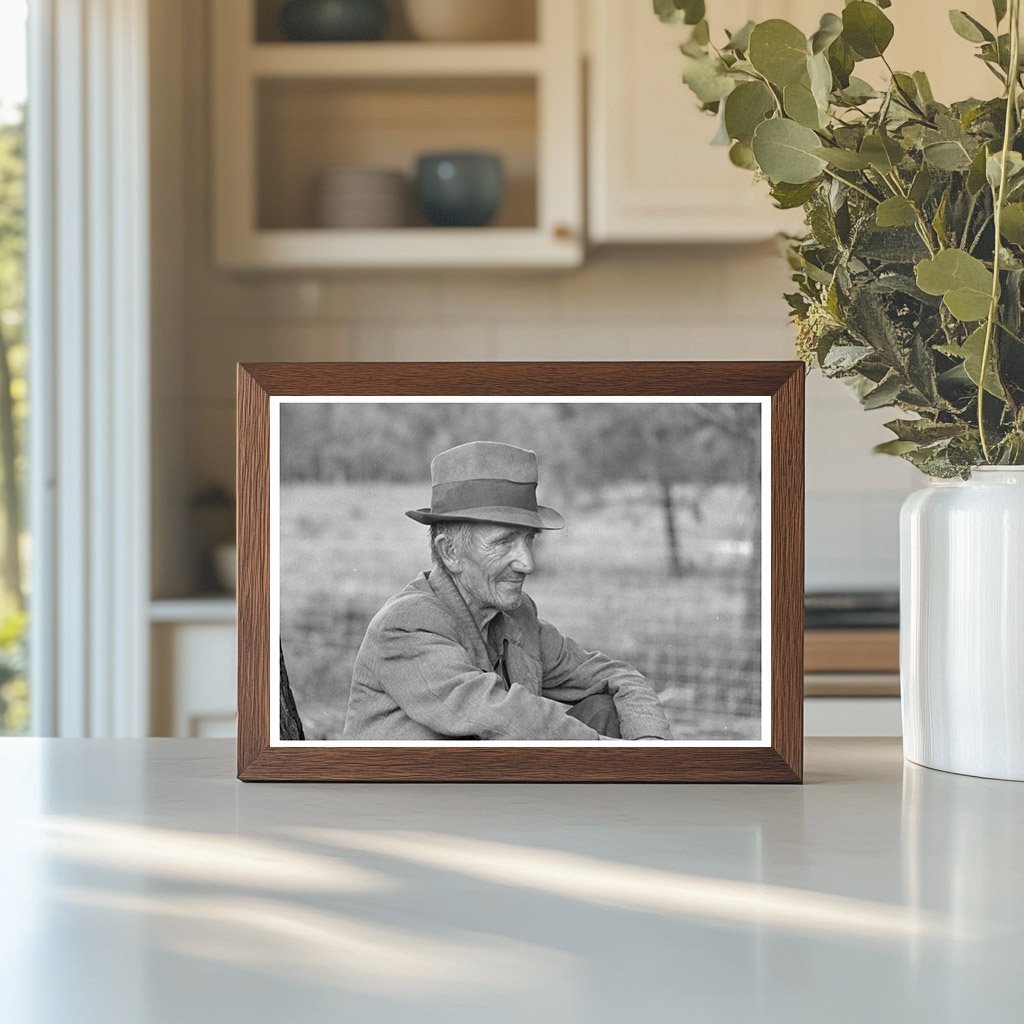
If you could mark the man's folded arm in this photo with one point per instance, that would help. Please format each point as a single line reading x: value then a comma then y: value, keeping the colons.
x: 432, y: 679
x: 572, y: 673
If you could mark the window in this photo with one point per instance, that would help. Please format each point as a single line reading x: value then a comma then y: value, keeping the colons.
x: 14, y: 549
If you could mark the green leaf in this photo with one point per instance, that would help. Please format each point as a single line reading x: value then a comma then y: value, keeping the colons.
x: 739, y: 41
x: 676, y: 12
x: 883, y: 153
x: 924, y: 88
x: 841, y: 60
x: 820, y: 76
x: 906, y: 88
x: 968, y: 28
x: 971, y: 352
x: 800, y: 105
x: 745, y: 108
x: 1012, y: 223
x: 785, y: 152
x: 994, y: 167
x: 885, y: 394
x: 895, y: 447
x: 999, y: 7
x: 921, y: 185
x: 694, y: 11
x: 830, y: 28
x: 721, y: 136
x: 939, y: 220
x: 844, y: 159
x: 707, y: 80
x: 778, y: 50
x: 946, y: 156
x: 923, y: 431
x: 963, y: 281
x: 701, y: 33
x: 896, y: 212
x: 976, y: 174
x: 866, y: 29
x: 858, y: 91
x: 742, y: 155
x: 789, y: 197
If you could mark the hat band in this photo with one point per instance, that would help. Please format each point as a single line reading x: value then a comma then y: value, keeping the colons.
x: 483, y: 493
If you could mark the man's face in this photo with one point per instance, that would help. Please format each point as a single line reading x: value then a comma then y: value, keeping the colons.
x: 494, y: 562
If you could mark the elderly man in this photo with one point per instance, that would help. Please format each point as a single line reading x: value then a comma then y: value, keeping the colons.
x: 461, y: 654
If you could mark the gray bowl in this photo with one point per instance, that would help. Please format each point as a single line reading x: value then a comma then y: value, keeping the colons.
x: 460, y: 189
x: 334, y: 20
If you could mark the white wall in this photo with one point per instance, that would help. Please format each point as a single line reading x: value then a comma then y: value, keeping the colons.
x: 721, y: 302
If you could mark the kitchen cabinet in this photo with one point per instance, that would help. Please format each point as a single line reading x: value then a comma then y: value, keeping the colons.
x: 286, y: 113
x: 653, y: 175
x: 192, y: 653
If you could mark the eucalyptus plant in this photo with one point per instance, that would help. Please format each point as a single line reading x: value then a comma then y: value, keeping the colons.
x: 909, y: 280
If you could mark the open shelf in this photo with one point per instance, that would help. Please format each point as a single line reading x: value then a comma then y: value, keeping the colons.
x: 288, y: 113
x: 308, y: 127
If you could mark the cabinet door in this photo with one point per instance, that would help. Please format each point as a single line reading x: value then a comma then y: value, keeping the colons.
x: 653, y: 174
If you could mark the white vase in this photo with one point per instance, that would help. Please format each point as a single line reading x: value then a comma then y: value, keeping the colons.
x: 962, y: 624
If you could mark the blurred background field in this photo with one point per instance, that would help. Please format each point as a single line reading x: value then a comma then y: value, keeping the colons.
x: 659, y: 563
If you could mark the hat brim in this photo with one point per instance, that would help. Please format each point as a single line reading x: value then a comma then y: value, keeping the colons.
x: 543, y: 519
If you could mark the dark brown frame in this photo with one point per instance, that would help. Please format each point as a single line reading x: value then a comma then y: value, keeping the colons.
x: 781, y: 762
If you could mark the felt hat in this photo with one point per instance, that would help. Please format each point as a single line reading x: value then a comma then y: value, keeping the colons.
x: 486, y: 482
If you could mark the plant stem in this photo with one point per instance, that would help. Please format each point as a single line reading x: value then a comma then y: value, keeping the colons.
x: 922, y: 225
x: 771, y: 90
x: 993, y: 309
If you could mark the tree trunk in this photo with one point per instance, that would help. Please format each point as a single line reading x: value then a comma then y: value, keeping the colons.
x: 291, y: 724
x: 11, y: 491
x: 675, y: 565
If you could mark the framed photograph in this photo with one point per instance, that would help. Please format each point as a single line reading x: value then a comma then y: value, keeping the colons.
x: 520, y: 572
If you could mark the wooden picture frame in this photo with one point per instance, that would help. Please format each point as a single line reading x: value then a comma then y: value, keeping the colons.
x: 776, y: 757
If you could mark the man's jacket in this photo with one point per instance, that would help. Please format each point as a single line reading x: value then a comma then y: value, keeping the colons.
x: 423, y: 672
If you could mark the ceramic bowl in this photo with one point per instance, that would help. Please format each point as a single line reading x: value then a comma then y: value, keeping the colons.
x: 361, y: 197
x: 460, y: 189
x: 334, y: 20
x: 471, y: 20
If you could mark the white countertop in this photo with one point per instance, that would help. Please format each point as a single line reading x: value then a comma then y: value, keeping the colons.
x: 143, y: 884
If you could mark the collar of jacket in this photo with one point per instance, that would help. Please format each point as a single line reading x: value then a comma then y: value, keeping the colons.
x: 445, y: 588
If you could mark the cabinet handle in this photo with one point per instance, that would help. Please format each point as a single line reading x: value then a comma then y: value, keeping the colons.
x: 563, y: 232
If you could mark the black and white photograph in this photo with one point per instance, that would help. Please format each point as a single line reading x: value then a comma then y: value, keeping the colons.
x: 499, y: 571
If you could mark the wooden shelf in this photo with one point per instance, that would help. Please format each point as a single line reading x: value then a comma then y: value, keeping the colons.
x: 393, y: 60
x: 852, y: 650
x: 401, y: 247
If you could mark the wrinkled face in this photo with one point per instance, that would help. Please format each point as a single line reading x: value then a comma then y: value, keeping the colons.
x: 492, y: 565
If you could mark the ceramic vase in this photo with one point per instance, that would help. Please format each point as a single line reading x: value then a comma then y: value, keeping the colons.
x: 962, y: 624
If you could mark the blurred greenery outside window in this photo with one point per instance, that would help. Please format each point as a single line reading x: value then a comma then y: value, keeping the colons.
x: 14, y: 702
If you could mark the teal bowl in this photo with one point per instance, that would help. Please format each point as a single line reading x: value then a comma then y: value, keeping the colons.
x: 462, y: 190
x: 333, y: 21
